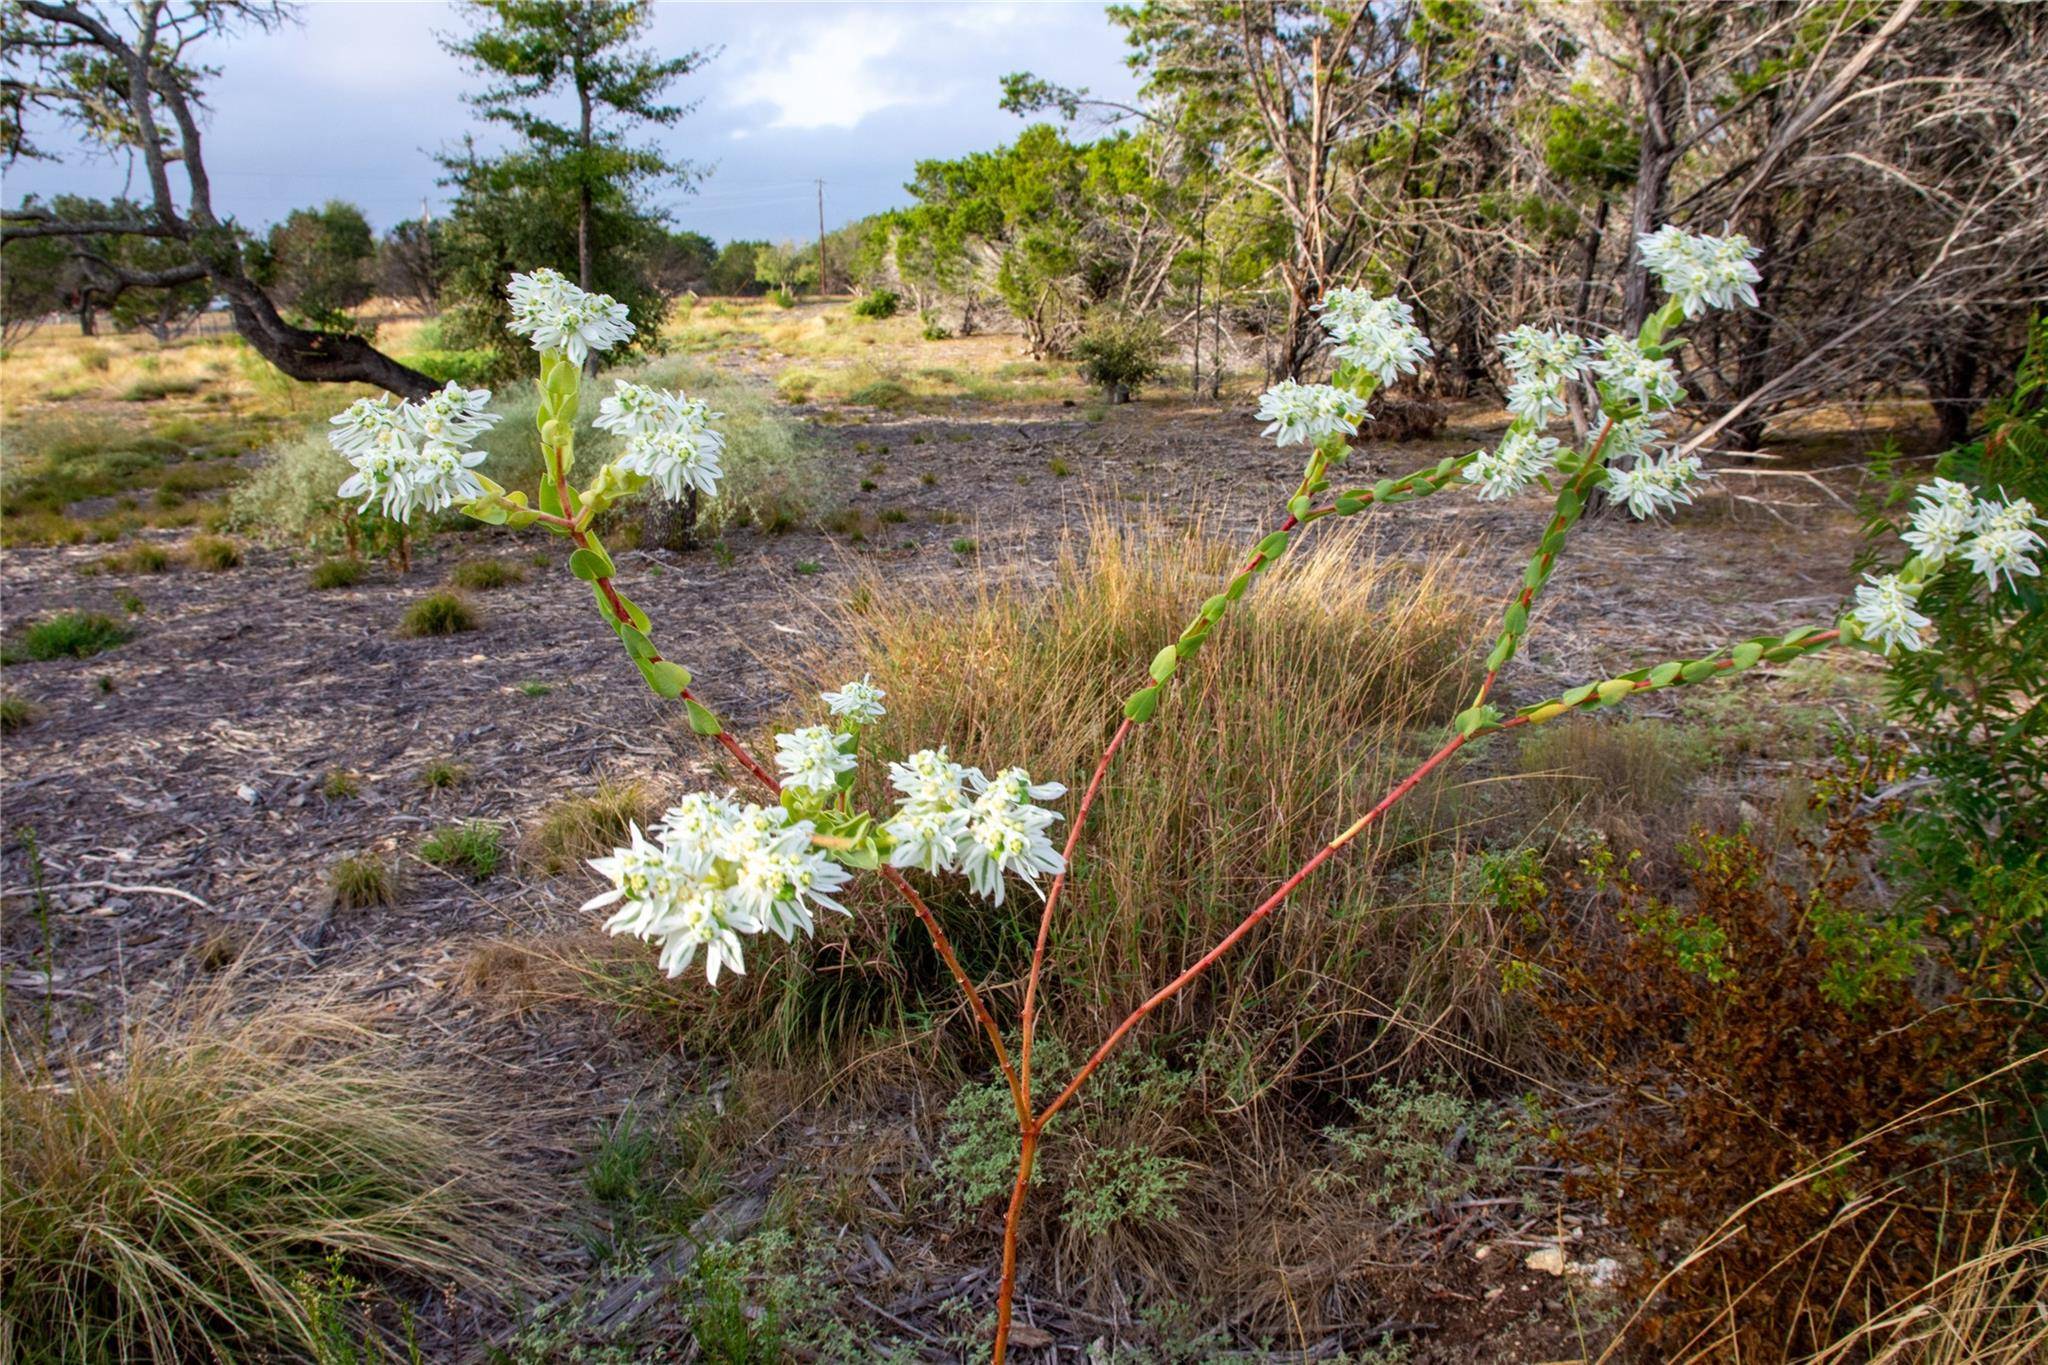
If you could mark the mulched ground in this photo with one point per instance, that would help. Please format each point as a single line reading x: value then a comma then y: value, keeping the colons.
x: 173, y: 785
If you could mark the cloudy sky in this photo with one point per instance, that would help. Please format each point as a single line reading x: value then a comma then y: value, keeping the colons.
x: 353, y: 102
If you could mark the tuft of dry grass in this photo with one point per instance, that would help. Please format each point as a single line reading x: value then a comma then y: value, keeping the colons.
x: 580, y: 827
x: 1317, y: 691
x: 170, y: 1203
x: 360, y: 882
x: 215, y: 554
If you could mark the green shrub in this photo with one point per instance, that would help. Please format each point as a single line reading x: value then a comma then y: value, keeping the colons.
x: 1120, y: 352
x: 934, y: 330
x: 137, y: 559
x: 169, y: 1204
x: 782, y: 298
x: 214, y: 553
x: 878, y: 303
x: 473, y: 848
x: 482, y: 575
x: 337, y: 573
x: 68, y: 635
x: 773, y: 477
x: 440, y: 613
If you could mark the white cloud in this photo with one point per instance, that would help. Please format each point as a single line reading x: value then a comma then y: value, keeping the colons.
x: 835, y: 77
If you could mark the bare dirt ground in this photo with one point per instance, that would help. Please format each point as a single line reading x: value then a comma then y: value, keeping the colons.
x: 174, y: 784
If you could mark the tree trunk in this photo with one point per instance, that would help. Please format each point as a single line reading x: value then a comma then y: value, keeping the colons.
x: 1654, y: 163
x: 1955, y: 399
x: 316, y: 357
x: 1592, y: 261
x: 583, y: 196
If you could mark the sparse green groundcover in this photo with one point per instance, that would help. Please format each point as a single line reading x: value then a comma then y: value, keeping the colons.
x: 482, y: 575
x: 329, y: 574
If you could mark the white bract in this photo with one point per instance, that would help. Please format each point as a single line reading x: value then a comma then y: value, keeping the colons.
x: 1655, y: 484
x: 860, y: 702
x: 1884, y: 612
x: 1297, y: 413
x: 1700, y: 271
x: 1650, y: 381
x: 557, y: 316
x: 996, y: 831
x: 812, y: 759
x: 714, y: 872
x: 413, y: 456
x: 1378, y: 335
x: 1521, y: 458
x: 669, y: 437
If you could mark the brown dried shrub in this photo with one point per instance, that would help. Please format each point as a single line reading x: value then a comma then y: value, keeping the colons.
x: 1799, y: 1130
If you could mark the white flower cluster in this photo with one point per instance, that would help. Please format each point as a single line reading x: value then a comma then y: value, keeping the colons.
x: 413, y: 456
x: 557, y: 316
x: 1521, y: 458
x: 1884, y: 610
x: 956, y: 819
x: 1297, y: 413
x: 1655, y: 483
x: 858, y: 702
x: 1996, y: 538
x: 1651, y: 381
x: 715, y: 871
x: 1699, y: 271
x: 669, y: 438
x: 812, y: 758
x: 1375, y: 334
x: 1542, y: 361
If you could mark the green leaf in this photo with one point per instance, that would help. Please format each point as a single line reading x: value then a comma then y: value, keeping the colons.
x: 1476, y: 718
x: 1699, y: 670
x: 1139, y: 707
x: 1663, y: 674
x: 1163, y: 663
x: 633, y: 613
x: 591, y: 565
x: 1350, y: 504
x: 1746, y: 654
x: 667, y: 679
x: 1273, y: 546
x: 1614, y: 689
x: 1517, y: 619
x: 1213, y: 608
x: 636, y: 641
x: 701, y: 719
x: 1578, y: 694
x: 1298, y: 505
x: 1503, y: 650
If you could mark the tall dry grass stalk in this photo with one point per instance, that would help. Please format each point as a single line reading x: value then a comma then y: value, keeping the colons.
x: 165, y: 1203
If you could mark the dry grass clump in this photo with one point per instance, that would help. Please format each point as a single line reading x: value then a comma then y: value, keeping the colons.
x: 215, y: 554
x: 580, y: 827
x: 171, y: 1203
x: 359, y: 882
x: 1295, y: 717
x: 1628, y: 780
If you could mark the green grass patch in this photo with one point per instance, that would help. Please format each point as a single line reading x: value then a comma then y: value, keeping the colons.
x: 473, y: 848
x: 69, y: 635
x: 483, y: 575
x: 215, y: 554
x: 330, y: 574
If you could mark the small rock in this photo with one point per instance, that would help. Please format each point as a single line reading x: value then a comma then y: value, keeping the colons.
x: 1495, y: 1293
x: 1545, y: 1261
x: 1031, y: 1338
x: 1600, y: 1273
x: 1481, y: 1253
x: 248, y: 793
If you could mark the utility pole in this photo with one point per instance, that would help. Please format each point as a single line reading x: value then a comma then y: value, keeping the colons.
x: 824, y: 276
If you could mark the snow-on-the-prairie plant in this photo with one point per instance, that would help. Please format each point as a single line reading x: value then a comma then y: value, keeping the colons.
x: 718, y: 869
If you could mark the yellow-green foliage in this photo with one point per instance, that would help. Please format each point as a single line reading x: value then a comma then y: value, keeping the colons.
x: 359, y: 882
x: 167, y: 1203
